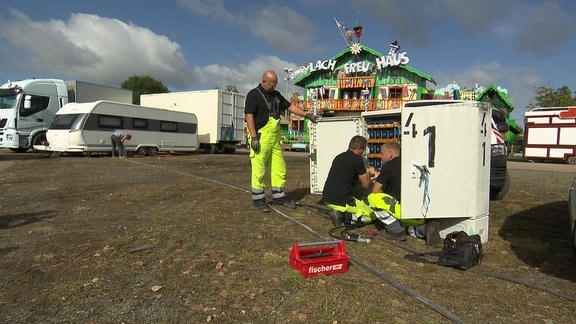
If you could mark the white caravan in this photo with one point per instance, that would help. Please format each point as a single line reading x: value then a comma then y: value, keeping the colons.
x: 87, y: 127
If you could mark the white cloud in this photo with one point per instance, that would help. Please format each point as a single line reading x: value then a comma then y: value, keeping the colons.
x: 519, y: 81
x: 544, y: 27
x: 474, y: 17
x: 93, y: 48
x: 394, y: 16
x: 283, y: 28
x: 479, y: 72
x: 292, y: 33
x: 535, y: 27
x: 417, y: 22
x: 209, y: 8
x: 524, y: 81
x: 244, y: 76
x: 108, y: 51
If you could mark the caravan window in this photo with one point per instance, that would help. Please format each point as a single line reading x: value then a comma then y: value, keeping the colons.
x: 167, y: 126
x: 69, y: 121
x: 139, y: 123
x: 110, y: 121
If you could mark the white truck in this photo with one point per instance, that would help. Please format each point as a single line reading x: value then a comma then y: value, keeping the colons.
x: 550, y: 134
x: 220, y: 115
x: 28, y: 106
x: 87, y: 128
x: 446, y: 146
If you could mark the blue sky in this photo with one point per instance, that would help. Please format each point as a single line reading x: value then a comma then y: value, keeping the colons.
x: 201, y: 44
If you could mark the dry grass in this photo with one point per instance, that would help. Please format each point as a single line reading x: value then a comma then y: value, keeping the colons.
x: 201, y: 253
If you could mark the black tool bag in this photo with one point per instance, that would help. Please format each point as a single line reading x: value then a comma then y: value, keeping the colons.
x: 461, y: 251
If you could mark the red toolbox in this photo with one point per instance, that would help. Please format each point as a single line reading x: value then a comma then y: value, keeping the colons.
x: 319, y: 258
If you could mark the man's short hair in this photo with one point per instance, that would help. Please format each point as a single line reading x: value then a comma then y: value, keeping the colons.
x: 394, y: 147
x: 357, y: 142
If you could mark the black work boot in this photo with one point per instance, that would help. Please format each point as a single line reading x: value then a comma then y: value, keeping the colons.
x: 337, y: 218
x: 432, y: 233
x: 262, y: 205
x: 284, y: 202
x: 387, y: 236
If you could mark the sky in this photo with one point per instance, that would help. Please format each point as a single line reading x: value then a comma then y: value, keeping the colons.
x: 205, y: 44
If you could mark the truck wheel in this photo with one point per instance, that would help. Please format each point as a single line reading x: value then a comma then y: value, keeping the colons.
x: 153, y: 151
x: 210, y: 148
x: 496, y: 194
x: 142, y: 151
x: 571, y: 159
x: 229, y: 150
x: 39, y: 139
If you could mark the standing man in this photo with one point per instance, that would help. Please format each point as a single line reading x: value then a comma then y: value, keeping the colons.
x: 263, y: 108
x: 118, y: 138
x: 348, y: 169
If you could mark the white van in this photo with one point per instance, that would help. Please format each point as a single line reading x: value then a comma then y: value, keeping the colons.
x: 87, y: 127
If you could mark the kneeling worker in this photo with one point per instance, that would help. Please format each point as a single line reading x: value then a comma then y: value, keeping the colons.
x: 385, y: 200
x: 347, y: 171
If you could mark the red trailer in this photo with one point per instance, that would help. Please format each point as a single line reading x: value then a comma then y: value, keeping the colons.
x: 550, y: 134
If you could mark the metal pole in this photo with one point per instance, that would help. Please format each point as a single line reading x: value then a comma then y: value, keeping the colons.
x: 286, y: 79
x: 286, y: 113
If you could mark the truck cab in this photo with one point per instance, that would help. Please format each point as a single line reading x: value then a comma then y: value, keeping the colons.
x: 26, y: 109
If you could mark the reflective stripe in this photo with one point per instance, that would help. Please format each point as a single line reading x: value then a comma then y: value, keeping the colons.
x: 277, y: 193
x: 258, y: 194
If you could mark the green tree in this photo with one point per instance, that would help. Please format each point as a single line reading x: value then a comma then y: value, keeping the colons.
x: 231, y: 88
x: 548, y: 97
x: 143, y: 85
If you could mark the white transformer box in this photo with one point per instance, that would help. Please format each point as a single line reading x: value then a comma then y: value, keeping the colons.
x: 445, y: 158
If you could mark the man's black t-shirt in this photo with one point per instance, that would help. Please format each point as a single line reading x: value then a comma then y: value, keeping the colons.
x: 264, y: 104
x: 390, y: 178
x: 343, y: 178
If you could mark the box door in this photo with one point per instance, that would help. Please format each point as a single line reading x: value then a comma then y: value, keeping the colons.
x: 328, y: 138
x: 445, y: 160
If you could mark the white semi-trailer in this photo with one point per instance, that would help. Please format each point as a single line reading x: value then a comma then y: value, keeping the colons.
x: 220, y: 115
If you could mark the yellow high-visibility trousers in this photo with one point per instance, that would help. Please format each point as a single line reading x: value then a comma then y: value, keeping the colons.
x: 383, y: 201
x: 360, y: 209
x: 270, y: 156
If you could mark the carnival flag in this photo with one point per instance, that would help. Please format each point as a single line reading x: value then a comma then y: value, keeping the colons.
x: 358, y: 31
x: 344, y: 32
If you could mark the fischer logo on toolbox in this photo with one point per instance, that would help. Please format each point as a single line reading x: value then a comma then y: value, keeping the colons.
x: 326, y: 268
